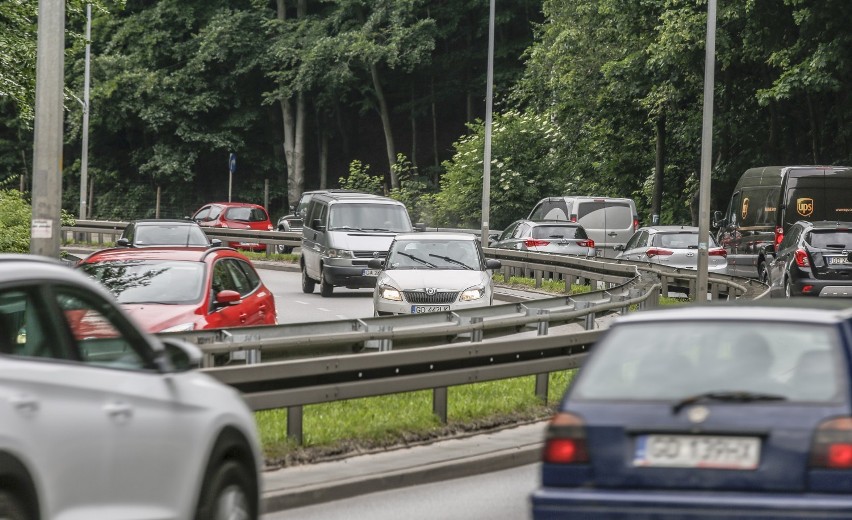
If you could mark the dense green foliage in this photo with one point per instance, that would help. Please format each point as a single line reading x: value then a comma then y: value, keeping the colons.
x: 15, y: 219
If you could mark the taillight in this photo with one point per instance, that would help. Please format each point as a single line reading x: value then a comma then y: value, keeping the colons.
x: 779, y: 236
x: 718, y: 252
x: 801, y: 257
x: 269, y: 227
x: 573, y: 218
x: 586, y: 243
x: 565, y: 442
x: 534, y: 242
x: 635, y: 224
x: 656, y: 251
x: 832, y: 444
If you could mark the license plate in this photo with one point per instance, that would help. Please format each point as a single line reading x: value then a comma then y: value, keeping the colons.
x: 419, y: 309
x: 697, y: 451
x: 370, y: 272
x: 248, y: 243
x: 834, y: 260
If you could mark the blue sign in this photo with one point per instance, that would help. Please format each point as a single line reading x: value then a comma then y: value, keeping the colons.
x: 232, y: 162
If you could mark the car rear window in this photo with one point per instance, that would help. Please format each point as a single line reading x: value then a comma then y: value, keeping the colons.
x: 675, y: 360
x: 170, y: 235
x: 559, y: 232
x: 246, y: 214
x: 830, y: 239
x: 679, y: 240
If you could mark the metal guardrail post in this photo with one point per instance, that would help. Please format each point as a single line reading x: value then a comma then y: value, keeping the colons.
x: 694, y: 292
x: 652, y: 301
x: 439, y: 403
x: 714, y: 291
x: 207, y: 360
x: 569, y: 281
x: 664, y: 280
x: 476, y: 334
x: 538, y: 277
x: 253, y: 356
x: 588, y: 319
x: 294, y: 424
x: 541, y: 386
x: 543, y: 326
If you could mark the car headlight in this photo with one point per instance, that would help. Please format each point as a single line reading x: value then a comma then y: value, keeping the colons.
x: 389, y: 293
x: 340, y: 253
x: 183, y: 327
x: 474, y: 293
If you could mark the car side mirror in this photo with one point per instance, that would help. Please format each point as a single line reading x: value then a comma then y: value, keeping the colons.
x: 619, y: 247
x: 122, y: 242
x: 227, y: 297
x: 718, y: 219
x: 376, y: 263
x: 420, y: 226
x: 215, y: 242
x: 491, y: 263
x: 180, y: 354
x: 317, y: 225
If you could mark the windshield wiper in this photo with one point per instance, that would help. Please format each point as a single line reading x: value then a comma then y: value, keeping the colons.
x: 348, y: 228
x: 453, y: 260
x: 377, y: 229
x: 740, y: 396
x: 417, y: 258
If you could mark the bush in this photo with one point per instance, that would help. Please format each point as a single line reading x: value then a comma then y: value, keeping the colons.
x: 15, y: 221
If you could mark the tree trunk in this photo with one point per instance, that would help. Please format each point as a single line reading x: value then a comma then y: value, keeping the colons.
x: 814, y: 130
x: 297, y: 181
x: 289, y: 130
x: 323, y: 161
x: 656, y: 204
x: 413, y: 130
x: 434, y: 124
x: 386, y: 124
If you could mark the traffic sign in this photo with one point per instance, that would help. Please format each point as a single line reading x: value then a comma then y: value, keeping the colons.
x: 232, y: 162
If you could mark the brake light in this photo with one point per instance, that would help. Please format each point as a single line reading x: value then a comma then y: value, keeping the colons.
x: 586, y: 243
x: 565, y: 442
x: 832, y: 444
x: 718, y: 252
x: 533, y: 242
x: 635, y: 224
x: 779, y: 236
x: 573, y: 218
x: 657, y: 251
x: 801, y: 258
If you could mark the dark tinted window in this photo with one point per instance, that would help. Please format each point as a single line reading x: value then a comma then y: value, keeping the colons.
x: 825, y: 239
x: 24, y: 330
x: 169, y: 235
x: 246, y: 214
x: 558, y: 232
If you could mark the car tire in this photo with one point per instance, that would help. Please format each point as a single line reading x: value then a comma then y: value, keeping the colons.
x: 762, y: 273
x: 284, y: 250
x: 11, y: 508
x: 227, y: 495
x: 307, y: 282
x: 326, y: 289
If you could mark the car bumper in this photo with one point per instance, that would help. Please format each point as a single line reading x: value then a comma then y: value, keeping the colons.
x: 248, y: 246
x: 348, y: 276
x: 388, y: 307
x: 593, y: 504
x: 806, y: 286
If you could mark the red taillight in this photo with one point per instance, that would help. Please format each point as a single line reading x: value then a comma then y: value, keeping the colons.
x: 832, y: 444
x: 635, y: 224
x: 656, y: 251
x: 807, y: 288
x: 779, y: 236
x: 269, y: 227
x: 534, y: 242
x: 801, y: 257
x: 566, y: 440
x: 586, y: 243
x: 718, y: 252
x: 573, y: 218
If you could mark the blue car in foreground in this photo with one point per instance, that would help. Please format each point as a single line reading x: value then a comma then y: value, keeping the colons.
x: 712, y: 412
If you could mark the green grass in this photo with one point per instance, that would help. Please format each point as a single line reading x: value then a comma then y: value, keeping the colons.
x: 554, y: 286
x: 376, y: 422
x: 289, y: 257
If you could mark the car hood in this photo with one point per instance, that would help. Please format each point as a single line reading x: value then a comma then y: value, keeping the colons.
x: 155, y: 317
x: 449, y: 279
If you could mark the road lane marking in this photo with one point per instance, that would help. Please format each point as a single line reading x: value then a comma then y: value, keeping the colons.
x: 303, y: 303
x: 324, y: 310
x: 340, y: 316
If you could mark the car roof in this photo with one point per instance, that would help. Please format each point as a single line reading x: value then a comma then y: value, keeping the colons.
x: 176, y: 253
x: 435, y: 235
x: 357, y: 197
x: 667, y: 229
x: 235, y: 204
x: 827, y: 224
x: 821, y: 311
x: 154, y: 221
x: 565, y: 223
x: 24, y: 267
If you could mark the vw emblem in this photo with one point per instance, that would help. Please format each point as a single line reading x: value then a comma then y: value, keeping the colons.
x: 698, y: 414
x: 430, y: 291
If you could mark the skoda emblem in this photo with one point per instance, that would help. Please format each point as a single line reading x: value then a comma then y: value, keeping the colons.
x: 697, y: 414
x: 430, y: 291
x: 375, y: 254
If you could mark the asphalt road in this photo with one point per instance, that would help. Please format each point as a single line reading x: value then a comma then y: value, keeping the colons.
x: 294, y: 306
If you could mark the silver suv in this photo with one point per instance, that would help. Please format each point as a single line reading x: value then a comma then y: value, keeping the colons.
x: 101, y: 420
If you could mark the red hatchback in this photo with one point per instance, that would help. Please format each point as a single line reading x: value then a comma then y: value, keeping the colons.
x: 235, y: 215
x: 186, y: 288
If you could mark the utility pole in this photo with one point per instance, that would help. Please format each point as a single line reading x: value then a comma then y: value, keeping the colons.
x: 49, y: 113
x: 489, y: 96
x: 706, y: 156
x: 84, y: 156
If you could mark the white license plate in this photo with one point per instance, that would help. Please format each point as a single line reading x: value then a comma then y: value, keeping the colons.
x: 370, y: 272
x: 248, y: 243
x: 834, y: 260
x: 419, y: 309
x: 697, y: 451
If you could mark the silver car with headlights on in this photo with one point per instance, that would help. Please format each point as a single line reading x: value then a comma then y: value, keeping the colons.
x: 433, y: 272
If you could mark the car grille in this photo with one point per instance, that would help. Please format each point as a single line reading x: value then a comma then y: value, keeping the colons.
x: 438, y: 297
x: 370, y: 254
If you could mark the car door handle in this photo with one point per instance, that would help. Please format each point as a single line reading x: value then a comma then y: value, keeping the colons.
x: 263, y: 309
x: 243, y: 318
x: 612, y: 233
x: 118, y: 409
x: 24, y: 402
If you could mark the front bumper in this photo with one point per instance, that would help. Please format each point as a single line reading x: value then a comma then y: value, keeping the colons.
x: 248, y: 246
x: 390, y: 307
x: 596, y: 504
x: 348, y: 276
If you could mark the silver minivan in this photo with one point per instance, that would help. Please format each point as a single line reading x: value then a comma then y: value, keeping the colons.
x: 609, y: 221
x: 342, y: 232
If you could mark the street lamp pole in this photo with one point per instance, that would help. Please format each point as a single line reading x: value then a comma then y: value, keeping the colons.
x: 489, y: 96
x: 706, y: 156
x: 84, y: 156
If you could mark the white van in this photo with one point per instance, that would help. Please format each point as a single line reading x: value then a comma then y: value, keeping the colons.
x: 343, y: 231
x: 609, y: 221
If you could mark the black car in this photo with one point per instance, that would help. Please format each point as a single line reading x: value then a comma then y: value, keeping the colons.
x: 814, y: 259
x: 165, y: 232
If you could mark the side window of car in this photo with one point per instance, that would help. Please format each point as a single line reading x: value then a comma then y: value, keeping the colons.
x: 222, y: 279
x: 521, y: 231
x: 250, y: 273
x: 734, y: 210
x: 24, y: 328
x: 128, y: 233
x: 241, y: 281
x: 643, y: 239
x: 634, y: 240
x: 791, y: 238
x: 322, y: 214
x: 508, y: 231
x: 99, y: 334
x: 203, y: 214
x: 215, y: 211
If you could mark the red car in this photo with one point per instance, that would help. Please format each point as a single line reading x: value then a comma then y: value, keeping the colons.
x: 184, y: 288
x: 235, y: 215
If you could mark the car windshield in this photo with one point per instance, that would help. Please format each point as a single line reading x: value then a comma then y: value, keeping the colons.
x: 676, y: 360
x: 369, y: 217
x: 170, y: 235
x: 830, y: 239
x: 246, y: 214
x: 680, y: 240
x: 433, y: 254
x: 558, y: 232
x: 150, y: 281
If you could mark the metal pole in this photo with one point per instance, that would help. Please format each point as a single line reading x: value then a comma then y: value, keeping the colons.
x: 489, y: 95
x: 706, y: 156
x: 230, y: 183
x: 84, y: 156
x: 47, y: 146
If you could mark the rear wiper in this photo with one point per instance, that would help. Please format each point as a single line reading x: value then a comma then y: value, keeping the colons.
x: 416, y: 258
x: 556, y: 236
x: 727, y: 396
x: 453, y: 260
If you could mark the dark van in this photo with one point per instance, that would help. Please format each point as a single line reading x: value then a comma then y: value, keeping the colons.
x: 768, y: 200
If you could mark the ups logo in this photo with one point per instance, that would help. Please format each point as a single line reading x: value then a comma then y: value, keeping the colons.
x: 745, y: 208
x: 805, y: 207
